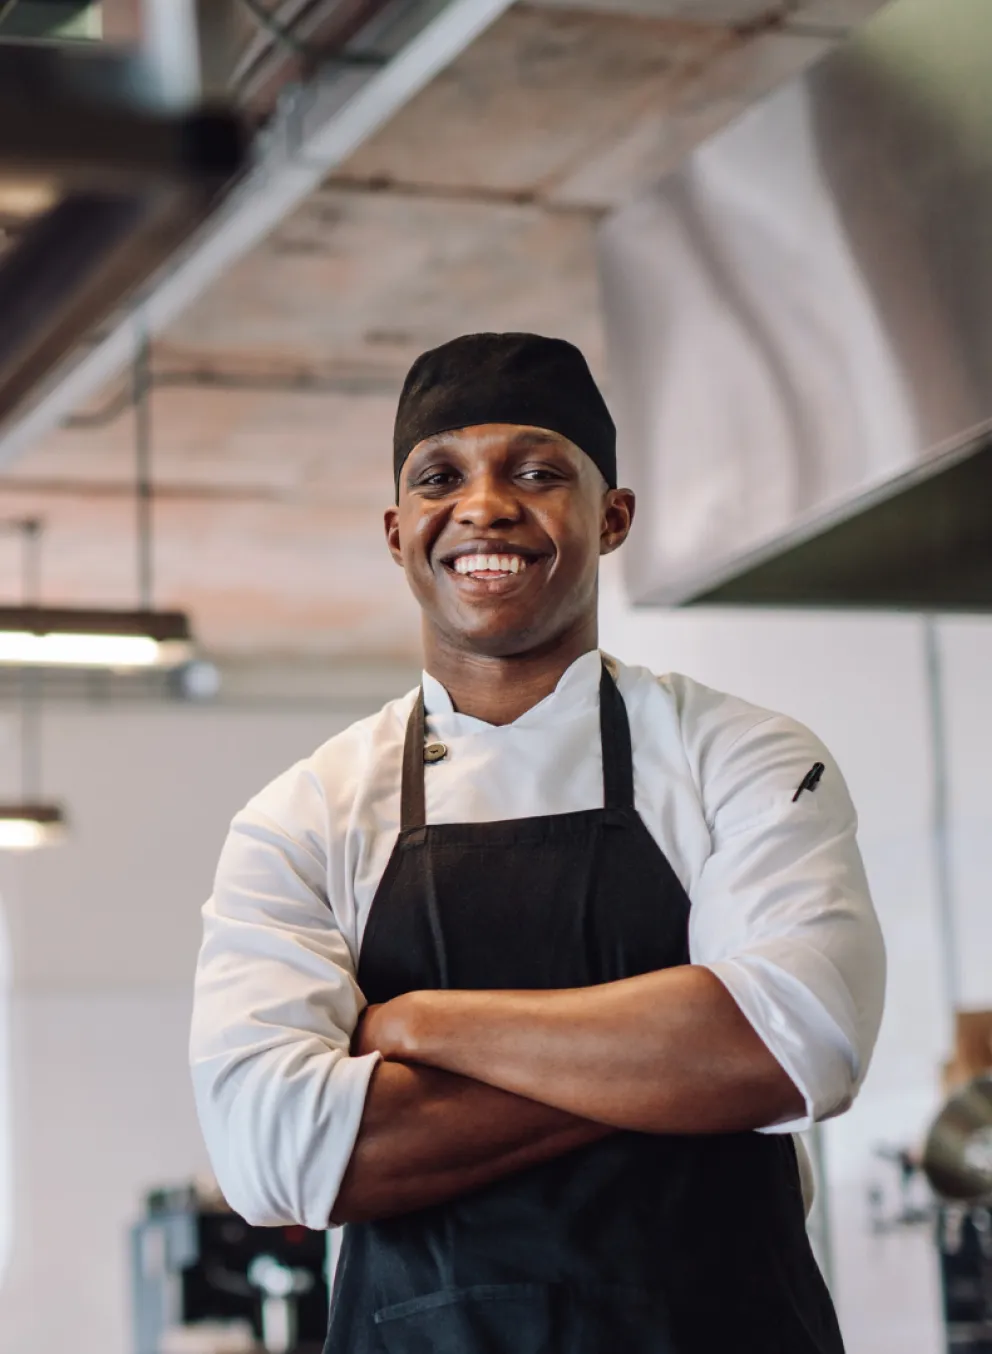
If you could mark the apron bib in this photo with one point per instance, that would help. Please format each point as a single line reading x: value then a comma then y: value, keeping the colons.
x: 638, y: 1244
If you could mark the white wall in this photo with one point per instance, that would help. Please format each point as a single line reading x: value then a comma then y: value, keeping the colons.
x: 103, y: 936
x: 859, y: 682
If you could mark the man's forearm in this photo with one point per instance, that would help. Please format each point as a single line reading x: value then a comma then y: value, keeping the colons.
x: 427, y: 1136
x: 666, y: 1052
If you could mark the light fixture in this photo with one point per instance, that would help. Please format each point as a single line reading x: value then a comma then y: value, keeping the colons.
x: 29, y: 822
x: 24, y: 827
x: 66, y: 637
x: 34, y: 636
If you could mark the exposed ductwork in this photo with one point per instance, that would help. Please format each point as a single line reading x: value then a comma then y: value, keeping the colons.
x: 799, y: 327
x: 79, y: 295
x: 98, y: 186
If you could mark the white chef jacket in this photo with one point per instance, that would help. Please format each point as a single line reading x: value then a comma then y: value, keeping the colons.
x: 780, y: 907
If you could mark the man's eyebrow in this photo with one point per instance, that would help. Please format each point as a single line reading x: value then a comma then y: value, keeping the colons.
x: 436, y: 442
x: 535, y: 437
x: 526, y: 439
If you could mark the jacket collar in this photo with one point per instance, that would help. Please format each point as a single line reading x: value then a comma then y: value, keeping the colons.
x: 577, y: 691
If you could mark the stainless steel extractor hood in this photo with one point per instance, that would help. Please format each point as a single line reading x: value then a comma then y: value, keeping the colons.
x: 799, y: 328
x: 97, y: 189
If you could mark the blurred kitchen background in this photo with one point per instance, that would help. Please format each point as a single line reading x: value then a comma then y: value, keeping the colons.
x: 226, y: 229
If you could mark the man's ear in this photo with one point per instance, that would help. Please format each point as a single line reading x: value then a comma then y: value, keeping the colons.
x: 618, y: 514
x: 391, y: 521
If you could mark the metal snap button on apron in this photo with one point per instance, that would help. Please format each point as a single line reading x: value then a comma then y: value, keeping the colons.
x: 434, y: 752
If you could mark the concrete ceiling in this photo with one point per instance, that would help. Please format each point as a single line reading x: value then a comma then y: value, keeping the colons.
x: 476, y: 208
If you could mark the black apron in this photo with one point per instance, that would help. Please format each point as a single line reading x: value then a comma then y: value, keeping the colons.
x: 637, y: 1244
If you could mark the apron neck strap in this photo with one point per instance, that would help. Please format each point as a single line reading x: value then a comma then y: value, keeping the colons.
x: 413, y: 808
x: 614, y: 730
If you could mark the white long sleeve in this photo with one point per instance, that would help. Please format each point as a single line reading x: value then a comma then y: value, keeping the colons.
x: 280, y: 1100
x: 781, y: 910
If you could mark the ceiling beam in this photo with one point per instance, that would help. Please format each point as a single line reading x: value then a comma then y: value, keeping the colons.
x: 314, y: 133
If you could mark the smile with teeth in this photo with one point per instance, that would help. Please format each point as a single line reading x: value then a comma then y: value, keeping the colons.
x: 489, y: 566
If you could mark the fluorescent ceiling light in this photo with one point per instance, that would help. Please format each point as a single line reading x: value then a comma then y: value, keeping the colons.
x: 85, y: 651
x: 63, y: 637
x: 24, y: 827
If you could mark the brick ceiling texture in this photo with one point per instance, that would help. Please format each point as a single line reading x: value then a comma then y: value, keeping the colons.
x: 475, y: 208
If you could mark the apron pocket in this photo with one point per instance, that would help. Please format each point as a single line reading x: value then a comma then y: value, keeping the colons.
x: 526, y: 1318
x: 484, y: 1319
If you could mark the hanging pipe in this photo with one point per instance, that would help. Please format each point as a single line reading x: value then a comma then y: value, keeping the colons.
x: 30, y: 676
x: 940, y: 815
x: 143, y: 472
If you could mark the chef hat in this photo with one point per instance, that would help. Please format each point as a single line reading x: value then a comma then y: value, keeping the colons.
x: 505, y: 378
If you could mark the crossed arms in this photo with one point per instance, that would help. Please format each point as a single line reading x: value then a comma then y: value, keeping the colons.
x: 476, y: 1085
x: 785, y: 991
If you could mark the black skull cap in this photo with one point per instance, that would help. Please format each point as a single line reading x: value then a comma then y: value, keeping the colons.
x: 524, y: 379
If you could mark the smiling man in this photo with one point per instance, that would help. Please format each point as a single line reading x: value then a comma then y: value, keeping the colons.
x: 529, y: 978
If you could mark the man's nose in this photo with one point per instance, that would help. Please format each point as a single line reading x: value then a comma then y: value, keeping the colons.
x: 486, y: 501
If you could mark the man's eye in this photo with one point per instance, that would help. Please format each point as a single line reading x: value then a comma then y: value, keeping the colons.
x: 435, y: 479
x: 538, y: 474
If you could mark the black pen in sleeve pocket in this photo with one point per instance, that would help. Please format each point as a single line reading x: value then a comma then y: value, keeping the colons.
x: 811, y: 779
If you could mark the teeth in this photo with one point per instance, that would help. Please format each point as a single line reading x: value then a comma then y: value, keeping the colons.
x: 490, y: 564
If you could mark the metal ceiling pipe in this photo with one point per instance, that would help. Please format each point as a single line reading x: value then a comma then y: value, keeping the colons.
x: 171, y: 49
x: 103, y: 185
x: 313, y: 29
x: 312, y: 135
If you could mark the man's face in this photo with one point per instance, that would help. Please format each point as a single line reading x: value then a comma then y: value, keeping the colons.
x: 500, y: 529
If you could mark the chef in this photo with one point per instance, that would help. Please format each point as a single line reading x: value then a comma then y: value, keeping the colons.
x: 529, y: 978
